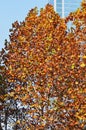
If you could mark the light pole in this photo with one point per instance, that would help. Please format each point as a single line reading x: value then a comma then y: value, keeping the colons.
x: 63, y: 9
x: 55, y: 5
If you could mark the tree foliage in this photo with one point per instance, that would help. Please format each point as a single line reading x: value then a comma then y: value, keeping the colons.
x: 45, y: 69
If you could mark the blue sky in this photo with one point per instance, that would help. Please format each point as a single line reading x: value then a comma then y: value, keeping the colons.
x: 12, y: 10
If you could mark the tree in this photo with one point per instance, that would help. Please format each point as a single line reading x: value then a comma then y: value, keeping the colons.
x: 45, y: 69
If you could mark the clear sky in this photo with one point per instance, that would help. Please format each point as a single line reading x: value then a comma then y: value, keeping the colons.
x: 12, y: 10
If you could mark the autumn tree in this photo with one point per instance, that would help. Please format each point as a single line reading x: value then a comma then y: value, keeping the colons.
x: 45, y: 68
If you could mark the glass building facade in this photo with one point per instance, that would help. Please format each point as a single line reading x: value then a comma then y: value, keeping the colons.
x: 64, y: 7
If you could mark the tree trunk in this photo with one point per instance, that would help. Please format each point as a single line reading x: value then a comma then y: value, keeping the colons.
x: 0, y: 123
x: 5, y: 121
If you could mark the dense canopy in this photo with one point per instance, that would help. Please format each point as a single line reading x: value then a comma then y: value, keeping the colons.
x: 43, y: 72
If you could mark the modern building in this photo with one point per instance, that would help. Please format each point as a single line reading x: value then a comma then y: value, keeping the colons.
x: 64, y: 7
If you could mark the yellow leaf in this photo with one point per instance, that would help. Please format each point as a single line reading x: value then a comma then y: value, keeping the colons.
x: 73, y: 66
x: 84, y: 57
x: 82, y: 65
x: 58, y: 48
x: 10, y: 67
x: 76, y: 82
x: 21, y: 38
x: 12, y: 94
x: 53, y: 51
x: 18, y: 122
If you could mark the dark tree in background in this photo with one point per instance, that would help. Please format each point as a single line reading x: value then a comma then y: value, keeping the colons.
x: 44, y: 65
